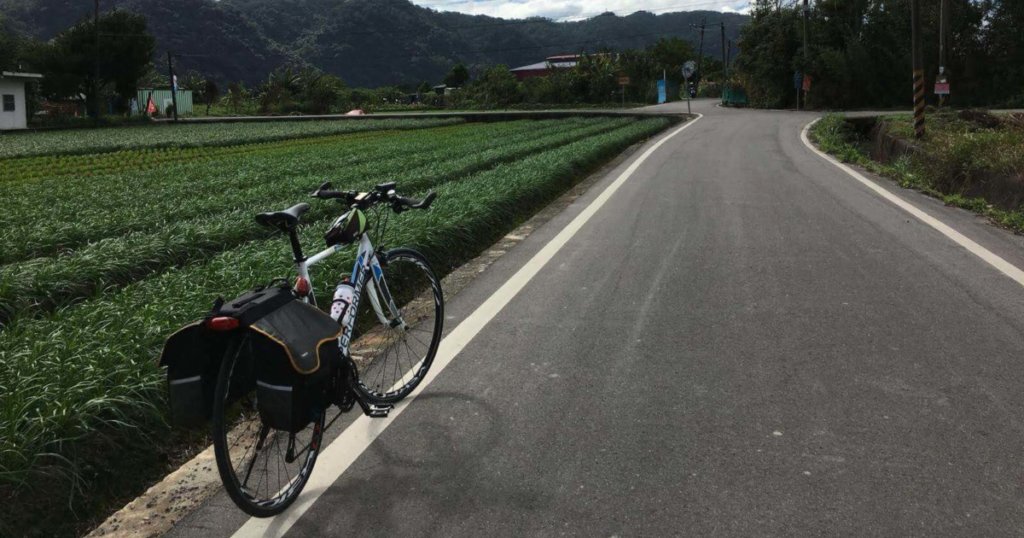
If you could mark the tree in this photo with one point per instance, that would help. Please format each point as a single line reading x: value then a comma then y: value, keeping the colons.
x: 125, y: 51
x: 669, y: 55
x: 237, y: 97
x: 859, y: 52
x: 210, y: 94
x: 278, y: 93
x: 1005, y: 43
x: 320, y: 91
x: 497, y: 86
x: 204, y: 90
x: 595, y: 78
x: 10, y: 47
x: 457, y: 77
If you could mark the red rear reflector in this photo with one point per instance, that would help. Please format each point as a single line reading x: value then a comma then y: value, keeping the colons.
x: 222, y: 323
x: 302, y: 287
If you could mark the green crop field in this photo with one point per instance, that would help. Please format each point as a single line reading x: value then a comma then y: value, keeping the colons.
x: 103, y: 254
x: 73, y: 142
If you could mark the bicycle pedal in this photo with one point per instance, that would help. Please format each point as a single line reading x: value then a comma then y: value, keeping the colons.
x: 376, y: 411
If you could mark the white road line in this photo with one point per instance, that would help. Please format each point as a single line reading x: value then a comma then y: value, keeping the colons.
x: 988, y: 256
x: 341, y: 453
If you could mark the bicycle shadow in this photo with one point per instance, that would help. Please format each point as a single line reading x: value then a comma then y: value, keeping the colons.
x: 413, y: 479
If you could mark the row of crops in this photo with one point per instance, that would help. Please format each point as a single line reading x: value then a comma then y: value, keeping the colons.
x: 73, y: 250
x: 72, y: 142
x: 93, y: 278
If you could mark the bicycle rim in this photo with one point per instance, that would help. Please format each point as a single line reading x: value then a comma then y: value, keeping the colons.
x: 263, y: 470
x: 392, y: 360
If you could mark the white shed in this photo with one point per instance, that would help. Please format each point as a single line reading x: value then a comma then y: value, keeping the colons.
x: 13, y: 113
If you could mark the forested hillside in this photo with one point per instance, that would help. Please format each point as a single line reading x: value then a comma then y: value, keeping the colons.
x: 365, y: 42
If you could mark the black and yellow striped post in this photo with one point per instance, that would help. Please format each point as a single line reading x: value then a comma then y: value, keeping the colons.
x: 915, y: 36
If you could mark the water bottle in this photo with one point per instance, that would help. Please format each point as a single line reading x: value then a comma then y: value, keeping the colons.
x: 340, y: 306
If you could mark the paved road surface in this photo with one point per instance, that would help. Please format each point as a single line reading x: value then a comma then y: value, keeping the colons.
x: 744, y: 341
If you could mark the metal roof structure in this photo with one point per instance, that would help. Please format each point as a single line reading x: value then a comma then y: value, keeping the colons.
x: 16, y: 74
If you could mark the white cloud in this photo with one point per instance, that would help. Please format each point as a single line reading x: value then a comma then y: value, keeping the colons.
x: 743, y: 10
x: 579, y: 9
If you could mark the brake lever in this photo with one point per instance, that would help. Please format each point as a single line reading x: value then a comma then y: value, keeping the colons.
x: 323, y: 187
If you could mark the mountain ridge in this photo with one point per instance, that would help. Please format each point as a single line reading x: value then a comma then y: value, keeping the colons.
x: 365, y: 42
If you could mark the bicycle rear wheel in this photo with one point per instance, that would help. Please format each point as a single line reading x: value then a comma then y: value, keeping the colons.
x: 392, y: 355
x: 263, y: 469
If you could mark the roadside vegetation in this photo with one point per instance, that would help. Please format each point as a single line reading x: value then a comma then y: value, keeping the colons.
x: 973, y: 160
x: 858, y: 53
x: 82, y: 409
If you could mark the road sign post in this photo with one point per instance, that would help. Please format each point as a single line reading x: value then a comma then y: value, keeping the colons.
x: 942, y: 86
x: 174, y: 85
x: 688, y: 70
x: 623, y: 82
x: 798, y: 84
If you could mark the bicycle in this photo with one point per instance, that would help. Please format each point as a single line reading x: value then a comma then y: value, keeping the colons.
x: 247, y: 450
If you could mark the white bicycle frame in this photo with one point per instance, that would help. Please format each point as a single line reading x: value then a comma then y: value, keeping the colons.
x: 366, y: 265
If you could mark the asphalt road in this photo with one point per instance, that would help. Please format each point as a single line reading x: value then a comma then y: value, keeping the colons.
x: 744, y: 341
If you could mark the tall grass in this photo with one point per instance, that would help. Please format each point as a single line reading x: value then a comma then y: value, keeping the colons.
x: 957, y: 156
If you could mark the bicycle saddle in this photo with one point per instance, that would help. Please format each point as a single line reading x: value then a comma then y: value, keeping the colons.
x: 285, y: 220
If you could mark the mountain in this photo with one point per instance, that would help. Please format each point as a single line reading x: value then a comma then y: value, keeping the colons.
x: 365, y: 42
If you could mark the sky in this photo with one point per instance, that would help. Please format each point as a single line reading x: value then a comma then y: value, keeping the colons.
x: 565, y: 10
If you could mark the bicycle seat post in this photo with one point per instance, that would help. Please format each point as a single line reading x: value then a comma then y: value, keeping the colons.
x: 293, y: 236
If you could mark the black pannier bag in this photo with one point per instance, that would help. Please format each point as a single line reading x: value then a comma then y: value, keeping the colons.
x: 192, y: 356
x: 295, y: 353
x: 284, y: 344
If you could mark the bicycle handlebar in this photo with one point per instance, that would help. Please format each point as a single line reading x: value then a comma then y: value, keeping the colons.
x: 383, y: 193
x: 410, y: 203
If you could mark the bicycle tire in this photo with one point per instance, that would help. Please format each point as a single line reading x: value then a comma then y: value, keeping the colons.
x: 237, y: 419
x: 416, y: 287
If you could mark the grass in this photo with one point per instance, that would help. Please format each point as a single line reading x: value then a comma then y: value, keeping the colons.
x: 79, y: 378
x: 956, y: 156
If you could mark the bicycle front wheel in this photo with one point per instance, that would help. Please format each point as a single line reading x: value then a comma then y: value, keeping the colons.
x: 263, y: 469
x: 396, y: 340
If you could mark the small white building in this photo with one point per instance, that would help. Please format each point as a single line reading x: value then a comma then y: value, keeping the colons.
x: 13, y: 112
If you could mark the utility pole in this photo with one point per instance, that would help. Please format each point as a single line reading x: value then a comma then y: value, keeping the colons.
x: 728, y: 56
x: 700, y: 53
x: 943, y: 46
x: 724, y: 66
x: 807, y: 15
x: 96, y: 60
x: 725, y: 72
x: 918, y: 67
x: 174, y: 90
